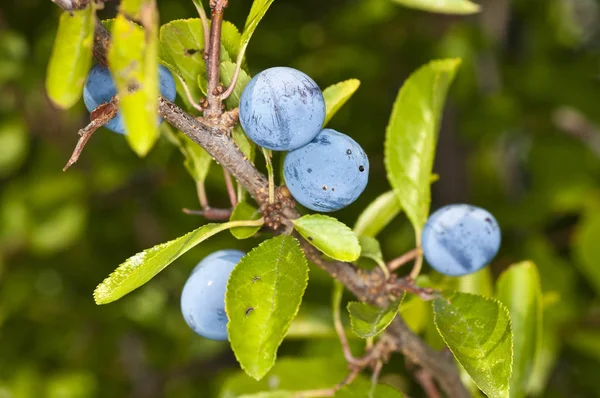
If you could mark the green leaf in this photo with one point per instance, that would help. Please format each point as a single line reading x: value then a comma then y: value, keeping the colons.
x: 337, y: 95
x: 442, y: 6
x: 289, y: 374
x: 368, y: 321
x: 71, y: 57
x: 245, y: 211
x: 182, y: 45
x: 257, y: 12
x: 263, y: 295
x: 133, y: 58
x: 247, y: 147
x: 587, y: 250
x: 412, y: 134
x: 231, y: 39
x: 377, y: 215
x: 365, y: 389
x: 312, y: 322
x: 227, y: 72
x: 142, y: 267
x: 479, y: 282
x: 370, y: 248
x: 519, y: 289
x: 329, y: 235
x: 478, y: 332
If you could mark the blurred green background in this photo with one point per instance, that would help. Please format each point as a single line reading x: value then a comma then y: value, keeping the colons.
x: 521, y: 137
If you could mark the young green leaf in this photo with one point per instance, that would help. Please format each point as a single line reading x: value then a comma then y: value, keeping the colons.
x: 263, y: 295
x: 71, y: 57
x: 442, y: 6
x: 519, y: 289
x: 133, y: 58
x: 182, y: 45
x: 478, y: 332
x: 257, y: 12
x: 377, y: 215
x: 370, y: 253
x: 227, y: 72
x: 245, y: 211
x: 329, y: 235
x: 368, y: 321
x: 142, y: 267
x: 412, y: 134
x: 370, y: 248
x: 247, y: 147
x: 337, y: 95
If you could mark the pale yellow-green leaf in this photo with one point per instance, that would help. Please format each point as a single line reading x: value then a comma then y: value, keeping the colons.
x: 412, y: 135
x: 142, y: 267
x: 245, y: 211
x: 329, y: 235
x: 377, y: 215
x: 133, y: 58
x: 71, y: 57
x: 337, y: 95
x: 519, y: 289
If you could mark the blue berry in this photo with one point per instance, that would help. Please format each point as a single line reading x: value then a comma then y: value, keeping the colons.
x: 329, y: 173
x: 203, y: 296
x: 282, y: 109
x: 460, y: 239
x: 100, y: 88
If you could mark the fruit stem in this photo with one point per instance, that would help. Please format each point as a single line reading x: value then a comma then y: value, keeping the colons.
x: 396, y: 263
x: 268, y: 153
x: 230, y: 188
x: 205, y: 27
x: 339, y: 326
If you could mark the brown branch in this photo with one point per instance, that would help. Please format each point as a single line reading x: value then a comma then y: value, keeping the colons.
x: 212, y: 133
x: 99, y: 117
x: 213, y: 95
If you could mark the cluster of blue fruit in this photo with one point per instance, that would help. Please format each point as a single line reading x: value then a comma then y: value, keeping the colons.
x: 283, y: 109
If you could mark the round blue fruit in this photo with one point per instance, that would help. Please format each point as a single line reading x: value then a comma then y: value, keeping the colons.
x: 282, y: 109
x: 203, y: 296
x: 329, y: 173
x: 100, y: 88
x: 460, y: 239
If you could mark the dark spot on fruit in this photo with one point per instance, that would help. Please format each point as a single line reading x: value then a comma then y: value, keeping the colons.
x: 190, y: 51
x: 324, y: 187
x: 488, y: 220
x: 349, y: 151
x: 248, y: 311
x: 255, y: 279
x: 333, y: 189
x: 309, y: 170
x: 361, y: 168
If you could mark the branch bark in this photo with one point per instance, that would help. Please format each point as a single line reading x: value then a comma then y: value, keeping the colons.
x: 213, y: 135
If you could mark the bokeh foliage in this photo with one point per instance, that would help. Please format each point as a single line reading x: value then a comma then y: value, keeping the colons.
x: 520, y: 137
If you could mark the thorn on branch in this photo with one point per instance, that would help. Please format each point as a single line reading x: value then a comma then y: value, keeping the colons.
x: 99, y: 117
